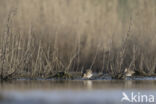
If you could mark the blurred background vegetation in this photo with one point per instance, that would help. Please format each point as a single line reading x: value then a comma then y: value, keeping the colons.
x: 40, y: 37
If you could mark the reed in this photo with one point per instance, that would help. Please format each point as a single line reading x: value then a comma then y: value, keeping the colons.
x: 39, y: 38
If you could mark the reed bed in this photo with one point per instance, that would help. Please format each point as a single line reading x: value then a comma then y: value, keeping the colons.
x: 39, y: 38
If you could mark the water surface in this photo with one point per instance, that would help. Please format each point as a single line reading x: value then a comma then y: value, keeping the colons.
x: 72, y: 92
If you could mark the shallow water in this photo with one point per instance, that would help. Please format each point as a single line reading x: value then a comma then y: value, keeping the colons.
x: 74, y: 92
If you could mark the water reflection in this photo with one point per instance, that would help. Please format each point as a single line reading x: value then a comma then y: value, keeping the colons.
x: 71, y: 92
x: 88, y: 84
x: 77, y: 85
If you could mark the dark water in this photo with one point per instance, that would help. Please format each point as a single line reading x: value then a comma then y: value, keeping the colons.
x: 76, y: 92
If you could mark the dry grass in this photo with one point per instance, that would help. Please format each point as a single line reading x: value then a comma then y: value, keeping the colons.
x: 39, y: 37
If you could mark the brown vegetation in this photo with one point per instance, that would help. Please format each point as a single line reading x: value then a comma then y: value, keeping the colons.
x: 39, y: 38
